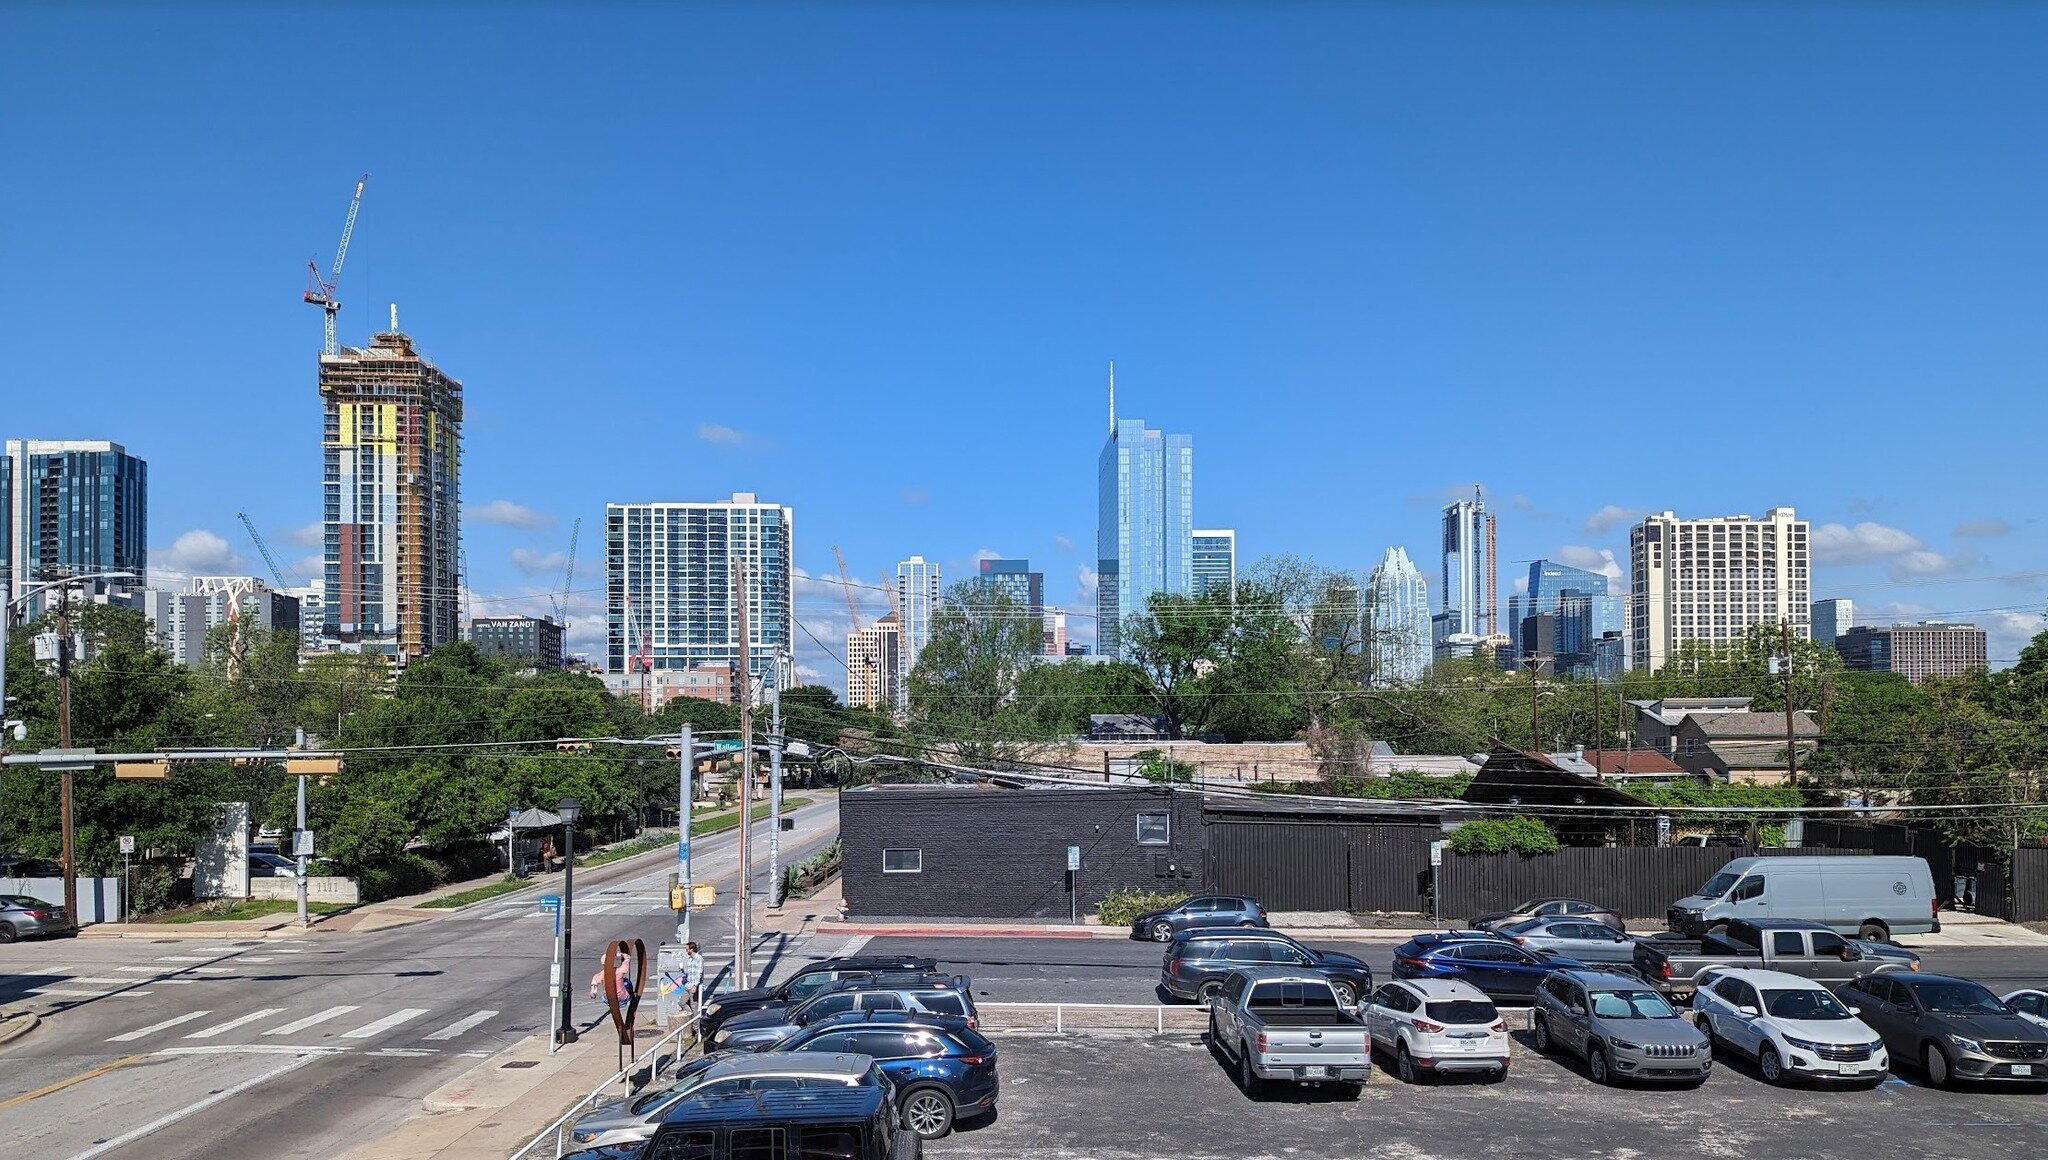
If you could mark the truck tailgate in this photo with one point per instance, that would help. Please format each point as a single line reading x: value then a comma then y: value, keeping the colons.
x: 1337, y: 1045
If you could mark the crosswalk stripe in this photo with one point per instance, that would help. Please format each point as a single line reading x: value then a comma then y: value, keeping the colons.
x: 298, y: 1025
x: 459, y: 1026
x: 96, y: 979
x: 385, y: 1024
x: 186, y: 958
x: 496, y: 914
x: 237, y: 1021
x: 69, y: 994
x: 152, y: 1029
x: 602, y: 909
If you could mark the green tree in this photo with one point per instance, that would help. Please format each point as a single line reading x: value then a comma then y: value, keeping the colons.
x: 964, y: 688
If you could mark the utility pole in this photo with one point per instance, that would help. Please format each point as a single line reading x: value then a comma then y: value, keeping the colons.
x: 299, y: 839
x: 1791, y: 750
x: 64, y: 742
x: 742, y: 935
x: 775, y: 784
x: 1535, y: 736
x: 686, y: 767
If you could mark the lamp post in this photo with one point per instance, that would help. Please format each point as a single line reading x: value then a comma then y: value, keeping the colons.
x: 570, y: 809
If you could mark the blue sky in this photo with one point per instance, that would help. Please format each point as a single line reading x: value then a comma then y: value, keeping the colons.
x: 870, y: 261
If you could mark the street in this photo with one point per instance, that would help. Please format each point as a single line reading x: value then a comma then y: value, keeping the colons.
x: 183, y: 1047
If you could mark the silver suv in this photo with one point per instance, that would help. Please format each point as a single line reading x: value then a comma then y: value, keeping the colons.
x: 1622, y: 1028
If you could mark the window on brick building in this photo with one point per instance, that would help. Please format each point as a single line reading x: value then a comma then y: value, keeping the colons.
x: 903, y: 861
x: 1153, y: 830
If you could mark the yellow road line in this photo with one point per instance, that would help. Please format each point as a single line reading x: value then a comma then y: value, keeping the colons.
x: 81, y: 1077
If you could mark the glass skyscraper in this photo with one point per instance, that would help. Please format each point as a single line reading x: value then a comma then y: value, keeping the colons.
x: 1215, y: 561
x: 80, y: 506
x: 1470, y: 579
x: 669, y: 584
x: 1144, y: 537
x: 1397, y: 620
x: 1017, y: 581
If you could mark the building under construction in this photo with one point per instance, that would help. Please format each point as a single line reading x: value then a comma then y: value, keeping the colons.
x: 393, y: 541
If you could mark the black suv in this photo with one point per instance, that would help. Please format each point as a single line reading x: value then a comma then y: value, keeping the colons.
x: 1198, y: 962
x: 810, y: 980
x: 843, y: 1121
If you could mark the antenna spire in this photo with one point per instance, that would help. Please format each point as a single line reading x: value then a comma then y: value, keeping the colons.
x: 394, y: 318
x: 1112, y: 397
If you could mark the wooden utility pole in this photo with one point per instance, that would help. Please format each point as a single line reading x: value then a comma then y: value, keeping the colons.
x: 742, y: 932
x: 64, y: 742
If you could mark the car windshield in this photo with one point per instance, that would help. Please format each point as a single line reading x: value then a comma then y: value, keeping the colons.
x: 1457, y: 1011
x: 804, y: 986
x: 1959, y: 999
x: 1803, y: 1004
x: 688, y: 1079
x: 1718, y: 885
x: 1631, y: 1005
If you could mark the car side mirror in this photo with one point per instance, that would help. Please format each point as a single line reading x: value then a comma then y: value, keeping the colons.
x: 1577, y: 1010
x: 1851, y: 954
x: 1855, y: 1010
x: 1749, y: 1011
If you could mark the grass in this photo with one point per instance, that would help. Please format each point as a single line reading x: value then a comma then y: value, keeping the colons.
x: 247, y: 908
x: 475, y: 894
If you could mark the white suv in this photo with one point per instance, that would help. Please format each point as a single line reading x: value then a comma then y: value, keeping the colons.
x: 1794, y: 1028
x: 1437, y: 1025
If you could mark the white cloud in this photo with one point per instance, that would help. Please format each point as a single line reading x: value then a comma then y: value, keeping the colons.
x: 1866, y: 543
x: 536, y: 563
x: 2006, y: 633
x: 981, y: 554
x: 1520, y: 502
x: 1084, y: 581
x: 1063, y: 543
x: 1926, y: 563
x: 197, y: 553
x: 1983, y: 529
x: 311, y: 535
x: 719, y: 433
x: 508, y: 514
x: 1599, y: 560
x: 307, y: 567
x: 1610, y: 517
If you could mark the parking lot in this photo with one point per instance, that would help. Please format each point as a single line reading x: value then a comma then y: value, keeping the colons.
x: 1111, y: 1096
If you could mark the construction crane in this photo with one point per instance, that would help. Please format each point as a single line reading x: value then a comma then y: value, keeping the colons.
x: 895, y: 606
x: 568, y: 574
x: 462, y: 585
x: 846, y: 582
x: 276, y: 573
x: 320, y: 291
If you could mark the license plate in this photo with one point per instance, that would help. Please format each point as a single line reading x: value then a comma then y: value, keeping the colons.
x: 1314, y: 1072
x: 2023, y: 1069
x: 1846, y: 1068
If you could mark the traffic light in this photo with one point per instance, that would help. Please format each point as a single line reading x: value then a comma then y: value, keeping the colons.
x: 142, y: 770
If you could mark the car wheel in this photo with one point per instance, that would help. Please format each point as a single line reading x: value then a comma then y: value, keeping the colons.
x: 1539, y: 1034
x: 1162, y: 931
x: 1874, y: 932
x: 6, y: 933
x: 928, y: 1111
x: 1346, y: 993
x: 1770, y: 1065
x: 1596, y: 1066
x: 1208, y: 992
x: 1247, y: 1078
x: 1706, y: 1028
x: 1939, y: 1073
x: 1404, y: 1066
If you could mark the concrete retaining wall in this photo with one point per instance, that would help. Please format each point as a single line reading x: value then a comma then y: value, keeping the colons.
x: 338, y: 890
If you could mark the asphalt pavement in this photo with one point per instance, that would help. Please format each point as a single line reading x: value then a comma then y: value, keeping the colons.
x: 178, y: 1047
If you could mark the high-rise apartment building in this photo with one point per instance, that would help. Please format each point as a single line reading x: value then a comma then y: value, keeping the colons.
x: 1214, y: 561
x: 393, y: 443
x: 1832, y: 618
x: 1144, y: 531
x: 918, y: 589
x: 1711, y: 579
x: 1055, y: 633
x: 669, y: 586
x: 1471, y: 592
x: 1916, y: 651
x: 181, y: 619
x: 77, y: 506
x: 1025, y: 588
x: 1397, y: 620
x: 874, y: 657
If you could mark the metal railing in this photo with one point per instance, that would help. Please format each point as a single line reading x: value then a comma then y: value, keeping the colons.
x: 650, y: 1060
x: 1059, y: 1011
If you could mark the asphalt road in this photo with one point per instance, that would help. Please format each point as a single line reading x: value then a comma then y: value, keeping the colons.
x: 300, y: 1047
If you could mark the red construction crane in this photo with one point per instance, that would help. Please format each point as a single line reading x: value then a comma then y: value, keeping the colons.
x: 320, y: 291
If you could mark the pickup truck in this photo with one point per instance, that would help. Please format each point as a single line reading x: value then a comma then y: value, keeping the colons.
x: 1677, y: 966
x: 1280, y: 1023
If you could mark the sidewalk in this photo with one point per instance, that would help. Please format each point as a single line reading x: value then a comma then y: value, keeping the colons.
x: 1963, y: 929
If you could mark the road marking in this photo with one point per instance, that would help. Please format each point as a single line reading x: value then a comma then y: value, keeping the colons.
x: 459, y: 1026
x: 405, y: 1052
x: 68, y: 994
x: 385, y: 1024
x: 96, y: 979
x: 81, y: 1077
x: 257, y: 958
x: 221, y: 1096
x: 497, y: 914
x: 153, y: 1028
x: 602, y: 909
x: 298, y: 1025
x: 237, y: 1021
x: 186, y: 958
x: 249, y: 1049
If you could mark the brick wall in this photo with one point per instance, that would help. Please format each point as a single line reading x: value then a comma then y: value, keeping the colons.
x: 994, y: 853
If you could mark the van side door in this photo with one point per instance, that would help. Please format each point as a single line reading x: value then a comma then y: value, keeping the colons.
x: 1748, y: 899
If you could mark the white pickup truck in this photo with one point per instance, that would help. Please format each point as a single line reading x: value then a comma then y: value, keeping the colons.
x: 1286, y: 1024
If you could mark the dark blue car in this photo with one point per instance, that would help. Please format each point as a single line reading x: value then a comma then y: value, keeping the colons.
x: 943, y: 1069
x: 1488, y: 962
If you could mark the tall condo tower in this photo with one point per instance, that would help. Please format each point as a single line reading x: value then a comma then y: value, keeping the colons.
x: 393, y: 444
x: 1470, y: 578
x: 669, y: 592
x: 79, y: 506
x: 1144, y: 531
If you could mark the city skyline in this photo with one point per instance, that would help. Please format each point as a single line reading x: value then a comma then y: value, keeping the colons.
x: 1255, y: 339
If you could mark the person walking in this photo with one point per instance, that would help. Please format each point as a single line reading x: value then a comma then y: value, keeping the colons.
x: 693, y: 974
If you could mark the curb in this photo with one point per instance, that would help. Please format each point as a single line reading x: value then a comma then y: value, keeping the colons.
x: 13, y: 1027
x: 945, y: 930
x: 181, y: 930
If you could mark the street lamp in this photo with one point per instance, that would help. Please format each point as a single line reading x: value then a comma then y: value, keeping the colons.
x: 569, y: 809
x: 64, y: 711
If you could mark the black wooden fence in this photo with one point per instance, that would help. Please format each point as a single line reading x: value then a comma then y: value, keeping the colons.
x: 1638, y: 881
x: 2029, y: 884
x: 1321, y: 865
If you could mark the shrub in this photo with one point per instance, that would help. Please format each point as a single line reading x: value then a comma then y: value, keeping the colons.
x: 398, y: 876
x: 1122, y: 907
x: 1156, y: 766
x: 1504, y: 836
x: 157, y: 887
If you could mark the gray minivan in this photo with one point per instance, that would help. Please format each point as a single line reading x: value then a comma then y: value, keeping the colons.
x: 1868, y: 896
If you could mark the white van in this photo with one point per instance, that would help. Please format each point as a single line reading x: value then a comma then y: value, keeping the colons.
x: 1870, y: 896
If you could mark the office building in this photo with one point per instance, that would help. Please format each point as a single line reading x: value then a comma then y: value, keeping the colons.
x: 669, y: 595
x: 1214, y: 561
x: 1470, y: 580
x: 1055, y: 633
x: 312, y: 598
x: 523, y: 641
x: 76, y: 506
x: 1537, y: 644
x: 1915, y: 651
x: 656, y: 688
x: 1016, y: 580
x: 1710, y: 580
x: 1548, y: 583
x: 1397, y: 620
x: 874, y: 657
x: 1584, y: 619
x: 918, y: 592
x: 1144, y: 531
x: 1832, y: 618
x: 393, y: 445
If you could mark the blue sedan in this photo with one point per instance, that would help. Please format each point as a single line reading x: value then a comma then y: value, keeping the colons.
x: 943, y: 1068
x: 1488, y: 962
